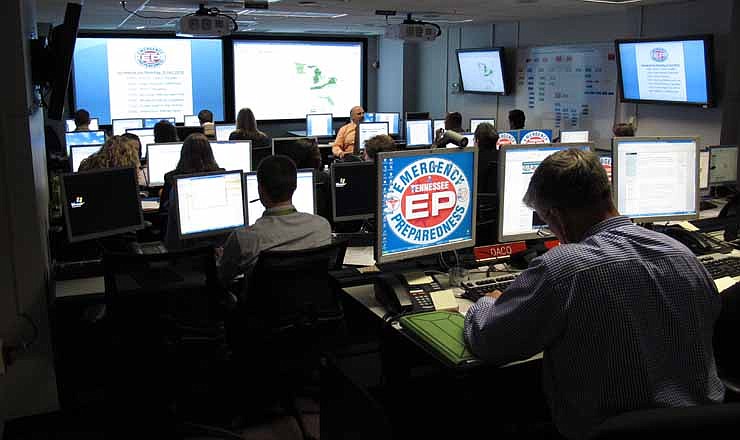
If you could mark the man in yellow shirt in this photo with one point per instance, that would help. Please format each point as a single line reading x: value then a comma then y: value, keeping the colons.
x: 345, y: 142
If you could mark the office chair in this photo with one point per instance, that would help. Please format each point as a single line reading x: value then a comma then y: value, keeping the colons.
x: 703, y: 420
x: 259, y: 153
x: 725, y: 343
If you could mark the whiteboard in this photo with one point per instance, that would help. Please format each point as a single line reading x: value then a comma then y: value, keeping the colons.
x: 571, y: 87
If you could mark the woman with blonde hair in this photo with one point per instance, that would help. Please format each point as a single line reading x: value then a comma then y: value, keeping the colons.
x: 116, y: 152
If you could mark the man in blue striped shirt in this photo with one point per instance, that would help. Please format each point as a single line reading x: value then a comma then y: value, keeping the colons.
x: 623, y: 314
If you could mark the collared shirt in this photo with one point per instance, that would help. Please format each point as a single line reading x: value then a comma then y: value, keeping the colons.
x: 282, y: 229
x: 345, y: 141
x: 625, y: 320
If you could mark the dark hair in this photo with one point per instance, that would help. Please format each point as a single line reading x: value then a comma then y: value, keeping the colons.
x: 196, y: 155
x: 570, y: 179
x: 307, y: 154
x: 486, y: 136
x: 82, y: 117
x: 134, y: 137
x: 164, y: 131
x: 516, y: 119
x: 377, y: 144
x: 623, y: 130
x: 277, y: 176
x: 205, y: 116
x: 453, y: 121
x: 245, y: 121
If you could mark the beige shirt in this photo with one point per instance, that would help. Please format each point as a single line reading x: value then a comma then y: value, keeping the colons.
x: 345, y: 141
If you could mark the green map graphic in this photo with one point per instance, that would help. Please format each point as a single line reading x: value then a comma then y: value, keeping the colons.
x: 318, y: 81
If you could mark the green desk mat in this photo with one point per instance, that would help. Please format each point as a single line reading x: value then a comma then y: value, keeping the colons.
x: 442, y: 331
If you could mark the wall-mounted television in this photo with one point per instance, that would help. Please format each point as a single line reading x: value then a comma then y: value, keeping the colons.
x: 482, y: 70
x: 675, y: 70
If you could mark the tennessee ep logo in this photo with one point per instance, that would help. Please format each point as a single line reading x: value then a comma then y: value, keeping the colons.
x: 535, y: 137
x: 427, y: 201
x: 150, y: 56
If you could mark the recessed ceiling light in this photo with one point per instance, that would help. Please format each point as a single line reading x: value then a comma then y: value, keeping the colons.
x: 613, y: 2
x: 140, y: 27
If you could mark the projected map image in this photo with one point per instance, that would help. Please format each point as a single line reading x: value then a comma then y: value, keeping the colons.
x: 481, y: 71
x: 322, y: 85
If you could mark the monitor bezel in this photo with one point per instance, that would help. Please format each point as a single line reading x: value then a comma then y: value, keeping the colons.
x: 213, y: 232
x: 113, y: 124
x: 68, y: 145
x: 332, y: 182
x: 722, y: 183
x: 504, y: 77
x: 149, y: 162
x: 703, y: 150
x: 331, y: 126
x: 482, y: 120
x: 72, y: 151
x: 291, y: 138
x: 184, y: 119
x: 406, y: 132
x: 249, y: 151
x: 361, y: 147
x: 462, y: 244
x: 216, y: 126
x: 617, y: 141
x: 65, y: 207
x: 299, y: 170
x: 502, y: 187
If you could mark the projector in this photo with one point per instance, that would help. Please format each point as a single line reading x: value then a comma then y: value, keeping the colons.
x: 204, y: 26
x: 413, y: 31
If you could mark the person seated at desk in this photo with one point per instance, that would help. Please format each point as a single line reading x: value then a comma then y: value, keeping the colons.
x: 453, y: 122
x: 141, y: 173
x: 82, y: 120
x: 623, y: 130
x: 205, y: 117
x: 345, y: 142
x: 164, y: 132
x: 281, y: 227
x: 516, y: 119
x: 246, y: 130
x: 486, y: 138
x: 377, y: 144
x: 623, y: 314
x: 116, y: 152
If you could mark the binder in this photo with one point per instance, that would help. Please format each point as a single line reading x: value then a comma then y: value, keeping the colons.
x: 442, y: 332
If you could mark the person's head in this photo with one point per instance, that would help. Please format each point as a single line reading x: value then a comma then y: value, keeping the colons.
x: 623, y: 130
x: 82, y: 118
x: 120, y: 152
x: 196, y: 155
x: 357, y: 114
x: 307, y: 154
x: 205, y: 116
x: 453, y: 121
x: 164, y: 131
x: 516, y: 119
x: 378, y: 144
x: 276, y: 180
x: 486, y: 137
x: 571, y: 193
x: 245, y: 121
x: 135, y: 139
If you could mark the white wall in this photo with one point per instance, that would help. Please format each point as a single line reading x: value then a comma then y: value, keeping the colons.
x: 389, y: 76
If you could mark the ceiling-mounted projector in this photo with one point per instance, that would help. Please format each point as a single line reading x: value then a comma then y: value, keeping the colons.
x: 205, y: 23
x: 413, y: 30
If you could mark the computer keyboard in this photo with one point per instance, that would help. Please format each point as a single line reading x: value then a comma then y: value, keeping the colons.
x: 720, y: 266
x: 473, y: 290
x: 150, y: 248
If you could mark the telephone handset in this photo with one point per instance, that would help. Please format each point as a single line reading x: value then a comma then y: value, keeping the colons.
x: 393, y: 293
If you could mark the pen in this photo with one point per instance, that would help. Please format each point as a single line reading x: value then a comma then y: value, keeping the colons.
x: 255, y: 200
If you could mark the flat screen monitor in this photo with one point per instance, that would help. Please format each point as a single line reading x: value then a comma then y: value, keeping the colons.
x: 438, y: 124
x: 101, y: 203
x: 71, y: 126
x: 162, y: 159
x: 656, y: 178
x: 120, y: 77
x: 78, y: 153
x: 704, y: 169
x: 393, y: 120
x: 146, y: 137
x: 290, y: 78
x: 191, y: 121
x: 320, y: 124
x: 121, y: 125
x: 425, y: 202
x: 291, y: 146
x: 223, y: 131
x: 573, y: 136
x: 517, y: 164
x: 415, y: 116
x: 84, y: 138
x: 475, y: 121
x: 482, y: 70
x: 353, y: 190
x: 366, y: 130
x: 666, y: 70
x: 209, y: 203
x: 304, y: 197
x: 419, y: 132
x: 151, y: 122
x: 722, y: 164
x: 233, y: 155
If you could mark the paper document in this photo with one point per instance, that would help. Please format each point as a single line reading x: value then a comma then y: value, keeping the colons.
x: 359, y: 256
x: 416, y: 278
x: 444, y: 300
x: 688, y: 226
x: 149, y: 205
x: 724, y: 282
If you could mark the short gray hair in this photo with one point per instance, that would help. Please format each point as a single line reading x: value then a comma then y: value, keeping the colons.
x: 570, y: 179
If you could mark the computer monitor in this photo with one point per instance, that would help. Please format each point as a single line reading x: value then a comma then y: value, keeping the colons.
x: 704, y: 169
x: 353, y: 190
x: 304, y: 197
x: 438, y: 124
x: 319, y: 124
x: 162, y: 159
x: 517, y: 163
x: 84, y: 138
x: 289, y: 146
x: 415, y: 116
x: 419, y: 132
x: 366, y: 130
x: 101, y: 203
x: 656, y: 178
x: 722, y: 165
x: 78, y: 153
x: 573, y: 136
x: 425, y: 202
x: 233, y: 155
x: 71, y: 126
x: 120, y: 125
x: 393, y: 120
x: 146, y: 137
x: 223, y: 131
x: 475, y: 121
x: 191, y: 121
x: 151, y: 122
x: 209, y: 203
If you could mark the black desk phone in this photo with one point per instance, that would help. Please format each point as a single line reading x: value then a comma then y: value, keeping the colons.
x: 392, y: 291
x: 697, y: 242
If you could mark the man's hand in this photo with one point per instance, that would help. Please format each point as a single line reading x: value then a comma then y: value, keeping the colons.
x: 495, y: 294
x: 219, y: 251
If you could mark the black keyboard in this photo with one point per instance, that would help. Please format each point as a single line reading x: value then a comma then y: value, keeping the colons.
x: 721, y: 266
x: 473, y: 290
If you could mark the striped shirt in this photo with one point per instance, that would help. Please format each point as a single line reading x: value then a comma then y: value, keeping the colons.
x: 624, y: 318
